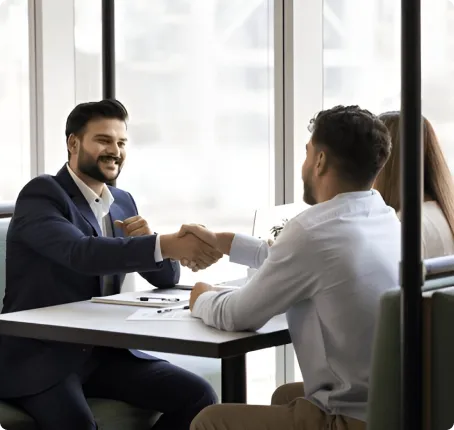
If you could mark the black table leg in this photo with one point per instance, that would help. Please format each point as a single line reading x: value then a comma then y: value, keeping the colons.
x: 234, y: 379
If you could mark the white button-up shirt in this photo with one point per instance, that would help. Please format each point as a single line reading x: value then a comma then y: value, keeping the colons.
x: 327, y: 271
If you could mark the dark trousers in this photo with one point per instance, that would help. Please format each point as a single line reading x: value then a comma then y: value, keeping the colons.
x: 116, y: 374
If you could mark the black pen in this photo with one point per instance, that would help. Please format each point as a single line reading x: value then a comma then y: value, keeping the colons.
x: 160, y: 311
x: 145, y: 299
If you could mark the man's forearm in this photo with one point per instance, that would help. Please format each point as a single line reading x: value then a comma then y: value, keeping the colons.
x: 167, y: 277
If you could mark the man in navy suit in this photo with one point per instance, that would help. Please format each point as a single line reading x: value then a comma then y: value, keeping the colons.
x: 73, y: 237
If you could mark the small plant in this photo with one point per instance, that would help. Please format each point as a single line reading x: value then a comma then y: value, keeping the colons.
x: 276, y: 230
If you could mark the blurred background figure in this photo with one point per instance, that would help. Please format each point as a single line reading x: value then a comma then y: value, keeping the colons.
x: 438, y: 207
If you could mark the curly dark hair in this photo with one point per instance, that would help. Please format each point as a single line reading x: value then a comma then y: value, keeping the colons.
x: 357, y: 139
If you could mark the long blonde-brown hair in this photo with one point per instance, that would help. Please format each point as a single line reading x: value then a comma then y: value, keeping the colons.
x: 438, y: 183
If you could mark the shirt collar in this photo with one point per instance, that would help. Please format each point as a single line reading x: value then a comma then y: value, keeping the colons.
x: 106, y: 199
x: 355, y: 194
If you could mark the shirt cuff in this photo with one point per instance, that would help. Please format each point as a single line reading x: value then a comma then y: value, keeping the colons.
x: 246, y: 250
x: 202, y: 308
x: 157, y: 250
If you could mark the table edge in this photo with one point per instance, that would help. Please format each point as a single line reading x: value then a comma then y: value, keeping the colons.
x: 170, y: 345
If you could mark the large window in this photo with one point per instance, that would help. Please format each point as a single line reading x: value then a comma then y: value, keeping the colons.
x: 197, y: 79
x: 362, y: 53
x: 14, y: 98
x: 362, y: 59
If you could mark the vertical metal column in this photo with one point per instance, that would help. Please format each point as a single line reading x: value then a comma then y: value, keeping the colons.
x: 412, y: 277
x: 108, y: 49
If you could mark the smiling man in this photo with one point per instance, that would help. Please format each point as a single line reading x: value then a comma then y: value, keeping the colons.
x: 73, y: 237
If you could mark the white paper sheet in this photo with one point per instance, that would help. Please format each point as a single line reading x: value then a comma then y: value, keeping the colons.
x: 147, y: 314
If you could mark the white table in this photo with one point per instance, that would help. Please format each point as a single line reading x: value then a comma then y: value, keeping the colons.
x: 105, y: 325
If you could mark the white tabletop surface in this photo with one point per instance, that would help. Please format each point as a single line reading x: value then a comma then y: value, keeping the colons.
x: 106, y: 325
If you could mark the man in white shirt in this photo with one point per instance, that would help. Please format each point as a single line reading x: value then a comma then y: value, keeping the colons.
x: 327, y: 271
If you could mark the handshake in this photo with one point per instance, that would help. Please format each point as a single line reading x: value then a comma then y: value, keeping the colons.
x: 194, y: 245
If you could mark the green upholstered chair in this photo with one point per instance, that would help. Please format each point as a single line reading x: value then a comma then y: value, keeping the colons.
x: 384, y: 392
x: 442, y: 360
x: 384, y: 408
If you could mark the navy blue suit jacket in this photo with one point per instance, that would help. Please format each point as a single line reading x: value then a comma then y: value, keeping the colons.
x: 55, y: 254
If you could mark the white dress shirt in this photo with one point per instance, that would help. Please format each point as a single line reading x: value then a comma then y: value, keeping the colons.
x: 327, y: 270
x: 100, y: 205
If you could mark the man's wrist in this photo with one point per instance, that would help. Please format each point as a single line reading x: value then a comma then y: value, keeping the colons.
x: 224, y: 242
x: 167, y: 242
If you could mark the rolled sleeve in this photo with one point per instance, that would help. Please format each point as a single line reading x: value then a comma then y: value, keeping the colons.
x: 248, y: 251
x: 202, y: 307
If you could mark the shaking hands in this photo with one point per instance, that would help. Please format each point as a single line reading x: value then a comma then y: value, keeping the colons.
x: 222, y: 242
x: 194, y: 245
x: 203, y: 234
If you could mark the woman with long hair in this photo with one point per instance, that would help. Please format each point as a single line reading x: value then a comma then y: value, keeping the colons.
x: 438, y: 207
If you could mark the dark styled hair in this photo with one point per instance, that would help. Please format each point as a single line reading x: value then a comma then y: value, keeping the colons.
x: 438, y: 182
x: 83, y: 113
x: 357, y: 140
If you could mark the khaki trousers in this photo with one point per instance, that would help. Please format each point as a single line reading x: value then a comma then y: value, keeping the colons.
x: 288, y: 411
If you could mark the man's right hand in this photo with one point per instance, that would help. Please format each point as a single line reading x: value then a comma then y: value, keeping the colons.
x: 189, y: 247
x: 220, y: 241
x: 201, y: 232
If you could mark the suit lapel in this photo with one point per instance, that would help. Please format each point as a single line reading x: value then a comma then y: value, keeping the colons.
x: 87, y: 213
x: 116, y: 214
x: 65, y: 180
